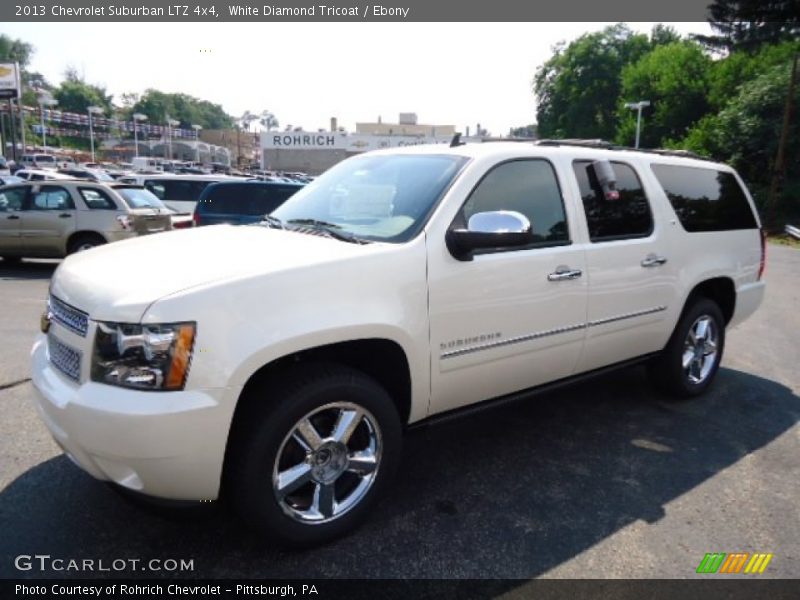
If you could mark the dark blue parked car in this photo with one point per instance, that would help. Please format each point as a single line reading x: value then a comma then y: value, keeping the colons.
x: 240, y: 202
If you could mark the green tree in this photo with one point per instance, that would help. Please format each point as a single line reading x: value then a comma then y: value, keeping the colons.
x: 577, y: 89
x: 749, y: 24
x: 746, y: 133
x: 527, y: 131
x: 75, y: 95
x: 182, y: 107
x: 728, y: 74
x: 13, y: 50
x: 674, y: 78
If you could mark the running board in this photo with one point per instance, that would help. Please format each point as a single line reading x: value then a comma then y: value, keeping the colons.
x: 466, y: 411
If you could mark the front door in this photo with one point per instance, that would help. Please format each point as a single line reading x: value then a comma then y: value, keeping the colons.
x: 511, y: 318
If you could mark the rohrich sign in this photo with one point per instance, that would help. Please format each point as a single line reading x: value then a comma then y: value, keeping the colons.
x: 9, y: 80
x: 326, y: 140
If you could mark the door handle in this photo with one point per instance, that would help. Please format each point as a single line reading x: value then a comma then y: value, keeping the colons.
x: 13, y: 217
x: 64, y: 216
x: 652, y: 260
x: 564, y: 273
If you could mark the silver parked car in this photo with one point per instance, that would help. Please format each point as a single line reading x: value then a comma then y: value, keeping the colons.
x: 55, y: 218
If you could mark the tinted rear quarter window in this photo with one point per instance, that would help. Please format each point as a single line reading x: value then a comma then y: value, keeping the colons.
x: 705, y: 199
x: 627, y: 217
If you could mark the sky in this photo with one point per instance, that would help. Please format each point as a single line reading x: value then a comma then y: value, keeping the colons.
x: 457, y: 74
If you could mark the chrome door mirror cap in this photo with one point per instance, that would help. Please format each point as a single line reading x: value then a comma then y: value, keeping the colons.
x: 499, y: 221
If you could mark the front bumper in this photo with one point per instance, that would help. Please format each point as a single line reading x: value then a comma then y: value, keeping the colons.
x: 163, y: 444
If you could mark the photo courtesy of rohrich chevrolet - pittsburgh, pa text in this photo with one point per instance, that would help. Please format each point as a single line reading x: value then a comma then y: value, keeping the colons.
x: 400, y: 300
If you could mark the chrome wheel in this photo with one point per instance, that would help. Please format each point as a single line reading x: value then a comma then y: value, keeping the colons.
x: 700, y: 350
x: 327, y: 463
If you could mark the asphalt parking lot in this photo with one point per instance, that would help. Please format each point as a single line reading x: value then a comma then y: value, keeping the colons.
x: 605, y: 479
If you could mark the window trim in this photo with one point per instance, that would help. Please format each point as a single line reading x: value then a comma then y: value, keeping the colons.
x: 615, y: 238
x: 459, y: 216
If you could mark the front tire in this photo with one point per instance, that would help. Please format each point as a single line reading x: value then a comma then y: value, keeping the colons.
x: 690, y: 361
x: 307, y: 467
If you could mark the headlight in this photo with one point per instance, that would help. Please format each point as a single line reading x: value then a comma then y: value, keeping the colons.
x: 143, y: 357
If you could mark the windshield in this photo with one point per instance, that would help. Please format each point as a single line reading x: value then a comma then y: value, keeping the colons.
x: 140, y: 198
x: 381, y: 197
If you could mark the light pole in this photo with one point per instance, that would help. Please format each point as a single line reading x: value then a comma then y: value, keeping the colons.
x: 92, y: 110
x: 45, y: 100
x: 638, y: 106
x: 136, y: 118
x: 197, y: 129
x: 170, y: 124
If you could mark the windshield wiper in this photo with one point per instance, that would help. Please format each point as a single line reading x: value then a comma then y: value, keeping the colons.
x: 330, y: 229
x: 273, y: 222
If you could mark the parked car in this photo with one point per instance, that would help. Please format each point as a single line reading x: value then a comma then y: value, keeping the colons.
x: 4, y: 167
x: 9, y: 179
x: 240, y: 202
x: 40, y: 175
x: 179, y: 192
x: 87, y: 173
x: 282, y: 361
x: 38, y: 161
x: 55, y: 218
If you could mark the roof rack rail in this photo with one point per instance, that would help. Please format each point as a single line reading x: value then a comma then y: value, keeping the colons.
x: 596, y: 143
x: 676, y: 152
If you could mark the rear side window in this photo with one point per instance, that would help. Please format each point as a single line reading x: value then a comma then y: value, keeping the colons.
x: 97, y: 199
x: 526, y: 186
x: 705, y: 199
x: 627, y: 217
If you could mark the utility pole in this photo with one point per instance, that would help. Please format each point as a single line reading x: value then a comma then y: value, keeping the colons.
x: 779, y: 168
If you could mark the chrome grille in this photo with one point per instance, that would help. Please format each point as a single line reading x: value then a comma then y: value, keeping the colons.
x: 68, y: 316
x: 64, y: 358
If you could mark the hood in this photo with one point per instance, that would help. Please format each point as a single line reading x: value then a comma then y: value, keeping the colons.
x: 118, y: 281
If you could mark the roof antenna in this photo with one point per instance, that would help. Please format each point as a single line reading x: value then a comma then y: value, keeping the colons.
x: 456, y: 141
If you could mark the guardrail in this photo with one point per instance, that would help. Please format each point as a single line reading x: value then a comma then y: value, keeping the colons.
x: 793, y: 231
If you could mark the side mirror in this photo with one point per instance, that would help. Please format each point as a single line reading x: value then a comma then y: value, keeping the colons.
x: 496, y: 229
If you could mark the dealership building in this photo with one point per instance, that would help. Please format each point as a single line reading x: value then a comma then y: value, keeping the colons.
x: 314, y: 152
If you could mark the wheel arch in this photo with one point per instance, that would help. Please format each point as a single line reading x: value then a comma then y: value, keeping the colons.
x: 721, y: 290
x: 83, y: 233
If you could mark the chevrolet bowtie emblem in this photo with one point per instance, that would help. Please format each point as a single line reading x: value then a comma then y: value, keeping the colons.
x: 44, y: 322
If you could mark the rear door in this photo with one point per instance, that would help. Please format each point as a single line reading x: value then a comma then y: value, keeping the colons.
x: 632, y: 281
x: 12, y: 199
x: 47, y: 220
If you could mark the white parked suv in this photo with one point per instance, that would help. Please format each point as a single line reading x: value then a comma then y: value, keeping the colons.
x: 279, y: 363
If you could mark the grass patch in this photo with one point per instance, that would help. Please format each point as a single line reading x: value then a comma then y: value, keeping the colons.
x: 784, y: 239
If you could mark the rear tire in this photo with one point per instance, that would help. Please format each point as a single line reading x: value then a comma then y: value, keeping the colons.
x: 85, y: 241
x: 690, y: 361
x: 312, y: 454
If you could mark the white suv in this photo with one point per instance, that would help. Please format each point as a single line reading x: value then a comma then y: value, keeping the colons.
x: 281, y: 362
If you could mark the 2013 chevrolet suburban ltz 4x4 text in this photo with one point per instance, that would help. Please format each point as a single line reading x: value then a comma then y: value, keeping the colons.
x: 278, y: 363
